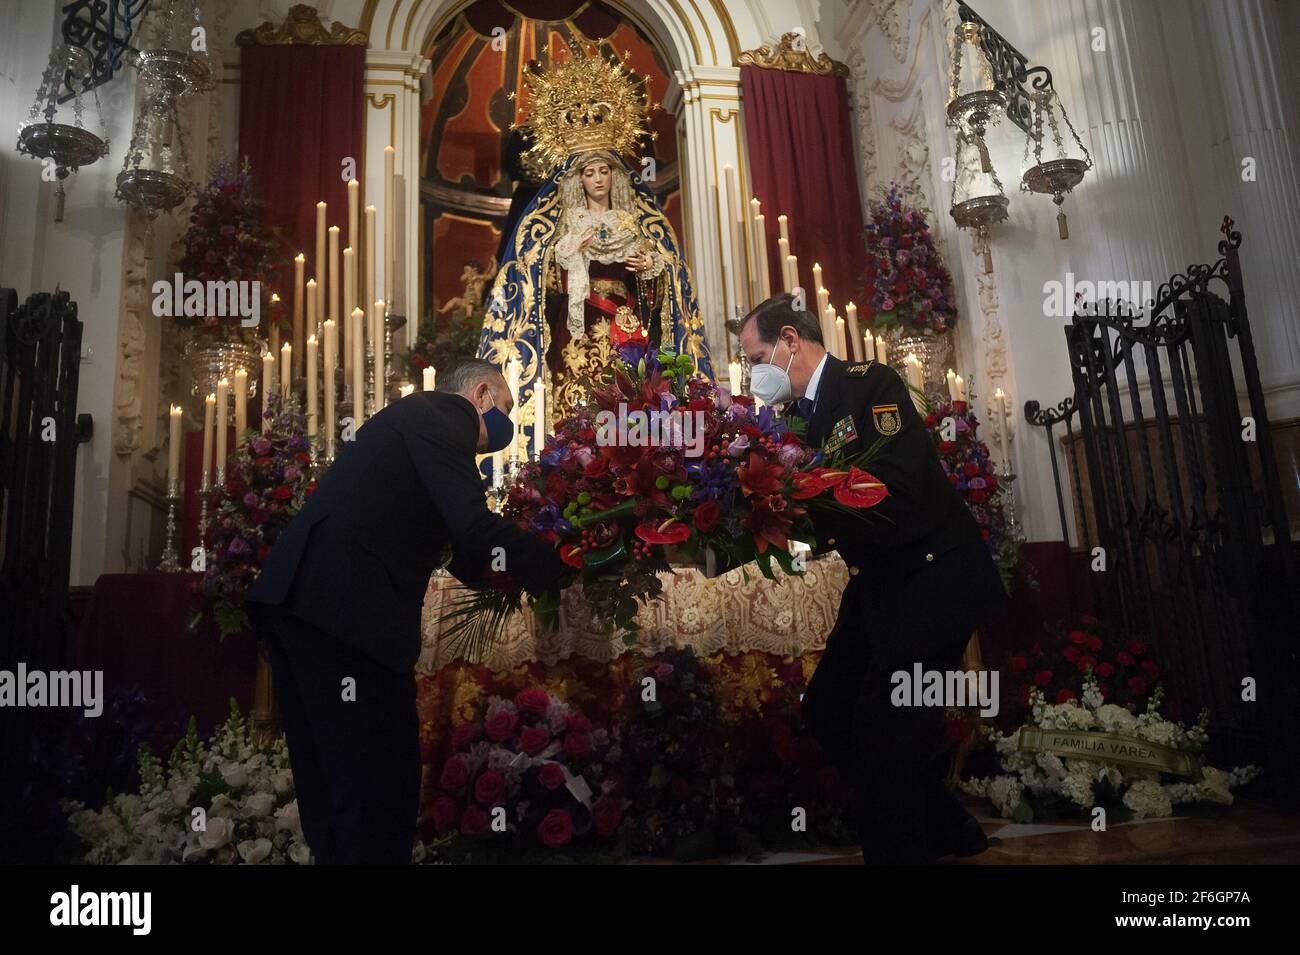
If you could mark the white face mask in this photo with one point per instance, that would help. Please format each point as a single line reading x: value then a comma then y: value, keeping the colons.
x: 770, y: 384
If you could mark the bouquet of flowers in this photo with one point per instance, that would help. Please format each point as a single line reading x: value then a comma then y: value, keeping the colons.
x: 267, y: 482
x: 528, y: 774
x: 245, y: 789
x: 965, y: 459
x: 1038, y: 782
x: 906, y: 282
x: 660, y: 466
x: 443, y: 339
x: 227, y: 242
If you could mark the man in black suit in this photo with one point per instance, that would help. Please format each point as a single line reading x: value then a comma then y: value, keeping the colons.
x: 921, y: 581
x: 339, y: 599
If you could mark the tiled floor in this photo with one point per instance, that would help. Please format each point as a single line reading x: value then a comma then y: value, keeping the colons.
x: 1243, y: 836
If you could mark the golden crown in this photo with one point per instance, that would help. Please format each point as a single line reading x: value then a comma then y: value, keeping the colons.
x: 583, y: 103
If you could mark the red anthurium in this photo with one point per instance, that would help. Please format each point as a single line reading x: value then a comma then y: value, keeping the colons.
x: 671, y: 531
x: 571, y: 554
x: 811, y: 483
x: 861, y: 489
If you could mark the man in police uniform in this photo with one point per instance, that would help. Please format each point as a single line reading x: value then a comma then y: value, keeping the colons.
x: 921, y: 581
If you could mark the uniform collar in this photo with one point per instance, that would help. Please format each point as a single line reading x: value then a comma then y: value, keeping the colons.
x: 815, y: 381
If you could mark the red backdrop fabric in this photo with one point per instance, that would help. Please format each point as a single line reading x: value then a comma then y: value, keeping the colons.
x: 300, y: 116
x: 801, y: 161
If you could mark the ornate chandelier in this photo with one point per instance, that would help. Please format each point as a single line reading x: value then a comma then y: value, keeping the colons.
x: 1054, y: 177
x: 69, y: 146
x: 155, y: 173
x: 975, y: 103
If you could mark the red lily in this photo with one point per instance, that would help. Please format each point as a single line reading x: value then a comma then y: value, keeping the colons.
x: 758, y: 476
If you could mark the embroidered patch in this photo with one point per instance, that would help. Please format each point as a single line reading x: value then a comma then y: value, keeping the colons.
x: 887, y: 419
x: 843, y: 432
x: 859, y: 370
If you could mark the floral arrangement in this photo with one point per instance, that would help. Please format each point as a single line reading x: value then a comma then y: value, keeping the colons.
x: 1037, y: 785
x: 245, y: 789
x: 529, y: 774
x: 965, y: 459
x: 621, y: 510
x: 443, y: 340
x: 1125, y: 670
x: 906, y: 282
x: 267, y: 482
x: 227, y: 241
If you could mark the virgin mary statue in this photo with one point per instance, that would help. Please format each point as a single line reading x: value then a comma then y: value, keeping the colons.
x: 594, y: 268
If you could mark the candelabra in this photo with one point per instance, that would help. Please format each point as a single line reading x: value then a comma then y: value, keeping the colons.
x: 169, y: 563
x: 1007, y: 479
x: 205, y: 489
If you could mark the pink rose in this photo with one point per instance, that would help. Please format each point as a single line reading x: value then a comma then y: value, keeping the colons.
x: 489, y: 787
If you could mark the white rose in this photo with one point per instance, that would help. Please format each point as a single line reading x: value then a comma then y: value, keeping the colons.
x: 193, y: 851
x: 282, y: 781
x: 235, y: 775
x: 181, y: 794
x: 217, y: 833
x: 1215, y: 786
x: 1148, y: 799
x: 1115, y: 717
x: 259, y: 804
x: 299, y: 853
x: 253, y: 851
x: 286, y: 817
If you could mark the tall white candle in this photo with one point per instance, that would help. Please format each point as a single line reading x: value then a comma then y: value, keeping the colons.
x: 961, y: 388
x: 335, y: 286
x: 783, y: 222
x: 286, y: 365
x: 209, y: 430
x: 817, y: 278
x: 764, y: 278
x: 735, y: 221
x: 331, y: 362
x: 855, y: 336
x: 241, y: 406
x: 275, y: 322
x: 174, y: 448
x: 390, y: 209
x: 868, y: 346
x: 313, y: 298
x: 349, y: 300
x: 783, y: 253
x: 430, y: 376
x: 841, y: 341
x: 377, y: 344
x: 311, y: 385
x: 268, y: 385
x: 733, y: 376
x: 952, y: 385
x: 1001, y: 399
x: 882, y: 354
x: 299, y: 267
x: 793, y: 265
x: 512, y: 383
x: 223, y: 423
x: 358, y: 333
x: 539, y: 414
x: 368, y: 268
x: 321, y: 233
x: 354, y: 241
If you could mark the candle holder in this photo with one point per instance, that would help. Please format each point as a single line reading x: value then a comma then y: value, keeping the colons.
x: 170, y: 564
x: 392, y: 323
x: 1007, y: 479
x: 368, y: 401
x: 205, y: 489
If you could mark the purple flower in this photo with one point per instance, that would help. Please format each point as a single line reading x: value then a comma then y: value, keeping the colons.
x: 738, y: 446
x: 251, y: 500
x: 260, y: 446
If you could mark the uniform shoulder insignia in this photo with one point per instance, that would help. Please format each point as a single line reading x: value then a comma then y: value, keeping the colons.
x: 859, y: 370
x: 886, y: 419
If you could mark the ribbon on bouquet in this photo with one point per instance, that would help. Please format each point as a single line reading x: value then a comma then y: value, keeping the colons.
x: 1108, y: 748
x: 575, y: 784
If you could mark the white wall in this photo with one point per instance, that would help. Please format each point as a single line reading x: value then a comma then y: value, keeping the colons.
x: 82, y: 255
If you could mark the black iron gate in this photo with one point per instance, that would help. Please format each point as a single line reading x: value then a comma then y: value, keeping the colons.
x: 40, y: 345
x: 1183, y: 504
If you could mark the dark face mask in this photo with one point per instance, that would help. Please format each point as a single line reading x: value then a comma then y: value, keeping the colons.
x: 500, y: 429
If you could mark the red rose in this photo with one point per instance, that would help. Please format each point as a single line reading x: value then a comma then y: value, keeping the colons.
x: 607, y: 813
x: 707, y: 516
x: 1125, y: 658
x: 979, y: 496
x: 577, y: 745
x: 443, y: 814
x: 534, y: 699
x: 1151, y: 669
x: 1136, y: 647
x: 1085, y: 663
x: 1071, y: 654
x: 551, y: 775
x: 556, y: 829
x: 1019, y: 662
x: 971, y: 469
x: 577, y: 723
x: 1093, y: 644
x: 489, y: 787
x: 454, y: 774
x: 463, y: 735
x: 1043, y: 677
x: 1064, y: 696
x: 1104, y: 670
x: 947, y: 447
x: 474, y: 822
x: 500, y: 726
x: 1136, y: 685
x: 282, y: 493
x: 533, y: 739
x: 931, y: 420
x: 1079, y: 637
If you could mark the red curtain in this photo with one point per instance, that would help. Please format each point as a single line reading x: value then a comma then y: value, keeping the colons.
x: 801, y: 162
x: 300, y: 116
